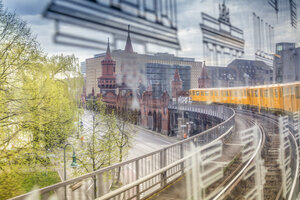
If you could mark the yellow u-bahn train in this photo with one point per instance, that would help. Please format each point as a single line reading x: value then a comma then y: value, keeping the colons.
x: 276, y: 97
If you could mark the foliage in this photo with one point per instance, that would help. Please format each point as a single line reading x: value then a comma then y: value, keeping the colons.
x: 39, y: 98
x: 13, y: 184
x: 99, y: 148
x: 40, y: 179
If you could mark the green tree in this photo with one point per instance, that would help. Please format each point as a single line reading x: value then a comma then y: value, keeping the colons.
x: 99, y: 147
x: 39, y: 98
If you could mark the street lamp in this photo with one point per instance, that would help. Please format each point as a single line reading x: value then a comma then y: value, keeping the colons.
x: 73, y: 164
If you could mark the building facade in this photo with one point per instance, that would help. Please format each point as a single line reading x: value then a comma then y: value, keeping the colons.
x: 222, y: 41
x: 239, y: 72
x: 287, y: 63
x: 125, y: 91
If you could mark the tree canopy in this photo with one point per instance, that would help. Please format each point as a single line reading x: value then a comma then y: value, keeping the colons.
x: 39, y: 98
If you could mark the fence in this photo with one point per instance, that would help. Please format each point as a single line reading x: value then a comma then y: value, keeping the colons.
x: 139, y: 177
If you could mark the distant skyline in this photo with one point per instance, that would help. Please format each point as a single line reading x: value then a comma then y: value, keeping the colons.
x: 189, y: 17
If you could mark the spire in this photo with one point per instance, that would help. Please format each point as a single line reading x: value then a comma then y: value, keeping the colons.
x: 176, y: 75
x: 204, y: 74
x: 128, y: 46
x: 108, y: 54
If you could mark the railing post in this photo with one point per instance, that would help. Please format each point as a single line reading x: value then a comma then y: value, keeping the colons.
x: 136, y: 178
x: 163, y: 164
x: 181, y: 156
x: 100, y: 188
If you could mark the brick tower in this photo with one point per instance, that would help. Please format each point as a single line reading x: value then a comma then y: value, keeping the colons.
x: 203, y: 81
x: 176, y: 84
x: 107, y: 82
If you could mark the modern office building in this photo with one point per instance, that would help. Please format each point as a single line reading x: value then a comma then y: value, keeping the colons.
x: 239, y: 72
x: 287, y: 63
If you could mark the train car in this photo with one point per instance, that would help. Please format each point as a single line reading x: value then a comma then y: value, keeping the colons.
x: 274, y: 98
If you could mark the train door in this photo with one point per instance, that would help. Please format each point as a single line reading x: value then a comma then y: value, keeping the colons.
x: 271, y: 98
x: 293, y: 99
x: 297, y: 97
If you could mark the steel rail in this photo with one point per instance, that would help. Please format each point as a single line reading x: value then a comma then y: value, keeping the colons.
x: 270, y: 117
x: 297, y: 168
x: 258, y: 149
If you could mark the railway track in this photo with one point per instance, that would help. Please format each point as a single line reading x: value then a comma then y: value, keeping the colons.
x: 233, y: 168
x: 270, y: 153
x: 237, y: 187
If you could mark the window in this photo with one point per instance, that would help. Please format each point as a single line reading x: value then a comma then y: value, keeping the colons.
x: 276, y: 93
x: 197, y: 93
x: 215, y: 93
x: 297, y: 92
x: 266, y: 93
x: 206, y: 93
x: 256, y: 93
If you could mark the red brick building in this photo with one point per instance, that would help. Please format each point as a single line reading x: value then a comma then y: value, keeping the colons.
x: 152, y: 109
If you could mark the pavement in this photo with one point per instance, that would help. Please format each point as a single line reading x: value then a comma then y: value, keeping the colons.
x: 147, y: 141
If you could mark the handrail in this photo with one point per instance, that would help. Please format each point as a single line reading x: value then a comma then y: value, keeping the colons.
x: 230, y: 113
x: 133, y: 184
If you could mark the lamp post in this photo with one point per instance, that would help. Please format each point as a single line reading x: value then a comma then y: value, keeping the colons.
x: 73, y: 164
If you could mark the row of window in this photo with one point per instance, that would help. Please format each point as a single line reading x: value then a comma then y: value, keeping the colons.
x: 254, y: 93
x: 238, y: 93
x: 102, y: 81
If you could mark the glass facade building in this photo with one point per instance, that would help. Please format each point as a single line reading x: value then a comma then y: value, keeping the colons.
x: 160, y: 76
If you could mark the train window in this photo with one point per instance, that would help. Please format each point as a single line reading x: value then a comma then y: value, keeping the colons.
x: 215, y: 93
x: 266, y: 93
x: 297, y: 92
x: 276, y: 93
x: 193, y: 92
x: 256, y: 93
x: 206, y: 93
x: 245, y: 93
x: 285, y: 91
x: 235, y: 93
x: 197, y: 93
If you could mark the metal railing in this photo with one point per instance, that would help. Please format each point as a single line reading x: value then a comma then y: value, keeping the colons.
x: 139, y: 177
x: 218, y: 111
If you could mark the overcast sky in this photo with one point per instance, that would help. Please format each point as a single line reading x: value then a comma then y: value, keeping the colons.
x: 189, y: 17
